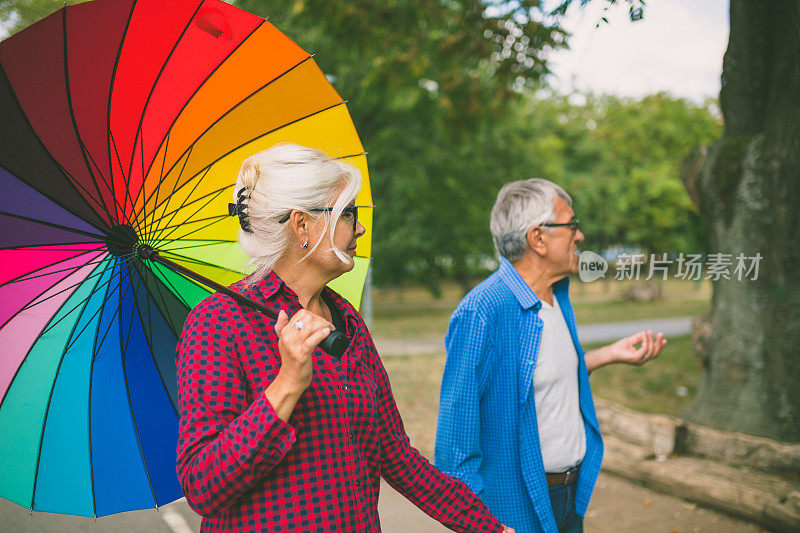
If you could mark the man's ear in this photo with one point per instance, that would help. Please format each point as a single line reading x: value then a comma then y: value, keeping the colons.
x: 536, y: 241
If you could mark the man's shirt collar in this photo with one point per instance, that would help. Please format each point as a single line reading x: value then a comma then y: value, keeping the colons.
x: 522, y: 291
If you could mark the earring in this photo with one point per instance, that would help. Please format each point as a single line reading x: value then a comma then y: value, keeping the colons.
x: 304, y: 245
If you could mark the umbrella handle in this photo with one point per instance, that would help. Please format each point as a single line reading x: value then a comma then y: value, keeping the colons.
x: 335, y: 343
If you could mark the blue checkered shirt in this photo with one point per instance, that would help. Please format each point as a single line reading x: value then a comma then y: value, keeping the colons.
x: 487, y: 434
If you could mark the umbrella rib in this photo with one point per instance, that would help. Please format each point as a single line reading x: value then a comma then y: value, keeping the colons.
x: 133, y: 206
x: 206, y: 242
x: 137, y: 138
x: 110, y: 189
x: 214, y: 196
x: 28, y: 277
x: 91, y: 381
x: 139, y: 282
x: 199, y: 262
x: 34, y: 303
x: 66, y: 208
x: 219, y: 218
x: 175, y: 291
x: 106, y: 284
x: 50, y: 399
x: 201, y: 198
x: 72, y: 117
x: 165, y: 140
x: 89, y: 411
x: 42, y: 332
x: 108, y: 107
x: 163, y: 301
x: 127, y: 187
x: 28, y: 305
x: 158, y: 185
x: 49, y: 327
x: 158, y: 231
x: 279, y: 76
x: 123, y: 346
x: 155, y: 223
x: 53, y: 225
x: 207, y: 168
x: 70, y: 179
x: 213, y: 217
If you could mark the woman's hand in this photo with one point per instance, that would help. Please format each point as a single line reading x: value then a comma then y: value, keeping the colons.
x: 297, y: 338
x: 507, y: 529
x: 296, y: 346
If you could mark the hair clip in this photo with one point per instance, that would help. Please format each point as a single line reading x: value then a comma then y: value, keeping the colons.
x: 240, y: 208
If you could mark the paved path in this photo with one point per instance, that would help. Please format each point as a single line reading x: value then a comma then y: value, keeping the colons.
x: 617, y: 506
x: 589, y: 333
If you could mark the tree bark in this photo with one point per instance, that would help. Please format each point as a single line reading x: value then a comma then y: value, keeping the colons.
x: 748, y: 186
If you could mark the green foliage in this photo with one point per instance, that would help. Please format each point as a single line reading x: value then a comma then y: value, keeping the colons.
x: 623, y: 169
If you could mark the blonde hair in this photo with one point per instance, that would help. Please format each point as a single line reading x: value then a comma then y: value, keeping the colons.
x: 286, y: 177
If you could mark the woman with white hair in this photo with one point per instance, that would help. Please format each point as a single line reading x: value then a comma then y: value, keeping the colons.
x: 275, y: 433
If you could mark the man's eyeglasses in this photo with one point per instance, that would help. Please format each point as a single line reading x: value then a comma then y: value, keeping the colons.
x: 351, y: 210
x: 572, y: 224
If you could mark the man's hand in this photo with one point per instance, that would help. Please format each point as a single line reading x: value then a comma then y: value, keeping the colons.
x: 625, y: 351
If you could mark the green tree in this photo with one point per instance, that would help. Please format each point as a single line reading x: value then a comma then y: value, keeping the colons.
x: 748, y: 186
x: 620, y: 161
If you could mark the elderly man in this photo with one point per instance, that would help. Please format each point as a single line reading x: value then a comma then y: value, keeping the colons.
x: 516, y: 417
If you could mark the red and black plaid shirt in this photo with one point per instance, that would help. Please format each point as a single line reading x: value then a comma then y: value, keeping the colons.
x: 244, y: 469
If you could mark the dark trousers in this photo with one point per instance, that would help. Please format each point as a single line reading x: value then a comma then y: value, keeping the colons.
x: 562, y: 499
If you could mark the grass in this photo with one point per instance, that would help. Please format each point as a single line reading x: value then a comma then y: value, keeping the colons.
x: 666, y: 385
x: 414, y: 313
x: 656, y: 387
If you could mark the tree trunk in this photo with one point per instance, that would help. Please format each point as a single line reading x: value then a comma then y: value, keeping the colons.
x: 748, y: 186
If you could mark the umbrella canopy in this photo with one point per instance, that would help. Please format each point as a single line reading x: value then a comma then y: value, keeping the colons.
x: 126, y: 122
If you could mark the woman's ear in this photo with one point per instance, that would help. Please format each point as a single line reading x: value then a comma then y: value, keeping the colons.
x: 298, y: 221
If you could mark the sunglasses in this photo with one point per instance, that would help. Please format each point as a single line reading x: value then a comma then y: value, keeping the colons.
x: 351, y: 211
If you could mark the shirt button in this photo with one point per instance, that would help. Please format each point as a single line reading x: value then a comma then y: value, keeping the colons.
x: 358, y: 482
x: 345, y: 388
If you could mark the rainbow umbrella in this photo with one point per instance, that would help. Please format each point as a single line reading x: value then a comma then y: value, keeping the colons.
x: 125, y: 122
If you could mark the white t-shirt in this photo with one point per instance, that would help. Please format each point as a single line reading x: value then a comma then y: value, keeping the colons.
x: 555, y: 386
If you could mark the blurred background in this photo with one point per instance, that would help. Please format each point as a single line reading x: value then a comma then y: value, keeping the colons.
x: 626, y: 105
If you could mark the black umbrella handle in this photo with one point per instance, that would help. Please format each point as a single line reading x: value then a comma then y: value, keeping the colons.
x: 335, y: 343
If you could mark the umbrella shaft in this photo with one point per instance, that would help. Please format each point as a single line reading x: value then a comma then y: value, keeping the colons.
x: 335, y: 343
x: 244, y: 300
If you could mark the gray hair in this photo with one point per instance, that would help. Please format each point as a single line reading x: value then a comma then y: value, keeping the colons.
x: 520, y: 206
x: 286, y: 177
